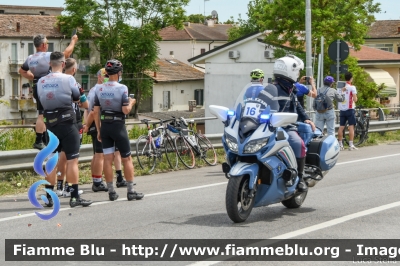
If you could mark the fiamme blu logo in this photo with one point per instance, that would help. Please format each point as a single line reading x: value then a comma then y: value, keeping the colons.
x: 51, y: 162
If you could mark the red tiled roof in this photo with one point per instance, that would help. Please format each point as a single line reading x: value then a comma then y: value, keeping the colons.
x: 174, y: 70
x: 196, y: 31
x: 370, y: 53
x: 384, y: 29
x: 30, y: 25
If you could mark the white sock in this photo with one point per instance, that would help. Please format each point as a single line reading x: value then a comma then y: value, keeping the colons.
x: 351, y: 143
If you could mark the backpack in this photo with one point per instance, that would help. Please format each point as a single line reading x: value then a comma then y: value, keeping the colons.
x: 322, y: 102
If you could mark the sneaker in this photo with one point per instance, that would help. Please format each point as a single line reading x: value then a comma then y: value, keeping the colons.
x: 59, y: 192
x: 134, y: 195
x: 341, y: 148
x: 113, y: 196
x: 73, y: 202
x: 121, y: 184
x: 50, y: 203
x: 352, y: 148
x: 101, y: 187
x: 39, y: 146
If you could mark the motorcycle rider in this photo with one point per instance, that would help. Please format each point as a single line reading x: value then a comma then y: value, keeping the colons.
x: 286, y: 71
x: 260, y: 94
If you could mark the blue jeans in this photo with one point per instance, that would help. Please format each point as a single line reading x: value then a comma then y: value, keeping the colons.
x: 329, y: 118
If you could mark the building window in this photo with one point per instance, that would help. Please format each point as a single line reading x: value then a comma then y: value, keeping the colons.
x: 31, y: 49
x: 85, y: 82
x: 202, y: 51
x: 15, y: 87
x: 382, y: 46
x: 2, y: 90
x: 85, y: 51
x: 199, y: 97
x: 51, y: 47
x: 14, y: 53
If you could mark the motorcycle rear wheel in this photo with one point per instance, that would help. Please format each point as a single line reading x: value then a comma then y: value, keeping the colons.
x: 295, y: 201
x: 238, y: 205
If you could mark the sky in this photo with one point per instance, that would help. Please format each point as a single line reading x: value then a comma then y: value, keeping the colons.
x: 226, y: 8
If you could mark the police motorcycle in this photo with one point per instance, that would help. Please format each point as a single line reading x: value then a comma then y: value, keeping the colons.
x: 261, y: 165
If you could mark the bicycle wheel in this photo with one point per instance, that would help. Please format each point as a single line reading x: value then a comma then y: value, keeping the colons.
x: 185, y: 152
x: 207, y: 149
x: 145, y: 154
x: 359, y: 134
x: 170, y: 152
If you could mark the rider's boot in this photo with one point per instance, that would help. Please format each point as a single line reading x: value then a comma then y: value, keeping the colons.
x: 302, y: 185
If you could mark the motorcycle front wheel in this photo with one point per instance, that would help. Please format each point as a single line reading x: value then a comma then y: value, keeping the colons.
x: 238, y: 204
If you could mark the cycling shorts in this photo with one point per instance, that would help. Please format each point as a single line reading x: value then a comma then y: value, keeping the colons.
x: 114, y: 135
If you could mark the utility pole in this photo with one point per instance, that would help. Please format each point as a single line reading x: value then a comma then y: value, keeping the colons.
x: 308, y: 50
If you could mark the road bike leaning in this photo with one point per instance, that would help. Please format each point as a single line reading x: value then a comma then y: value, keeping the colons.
x: 191, y: 144
x: 151, y: 147
x: 360, y: 129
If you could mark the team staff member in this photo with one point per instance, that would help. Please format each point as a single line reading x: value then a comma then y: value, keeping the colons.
x: 70, y: 69
x: 56, y: 91
x: 113, y: 99
x: 90, y: 127
x: 35, y: 67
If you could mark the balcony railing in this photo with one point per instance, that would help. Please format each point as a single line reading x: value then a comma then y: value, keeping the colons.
x: 15, y: 65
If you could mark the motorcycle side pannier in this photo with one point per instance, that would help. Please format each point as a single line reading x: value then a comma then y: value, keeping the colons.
x: 323, y: 152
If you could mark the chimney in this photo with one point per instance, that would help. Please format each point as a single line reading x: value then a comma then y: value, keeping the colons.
x: 18, y: 27
x: 155, y: 74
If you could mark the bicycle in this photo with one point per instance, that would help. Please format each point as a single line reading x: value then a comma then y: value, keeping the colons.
x: 150, y: 147
x: 189, y: 142
x: 360, y: 129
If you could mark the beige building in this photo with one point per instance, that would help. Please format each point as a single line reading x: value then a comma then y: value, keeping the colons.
x: 175, y: 84
x: 194, y: 39
x: 16, y: 43
x: 31, y: 10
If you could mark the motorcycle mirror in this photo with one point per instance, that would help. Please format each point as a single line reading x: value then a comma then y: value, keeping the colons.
x: 220, y: 112
x: 239, y: 111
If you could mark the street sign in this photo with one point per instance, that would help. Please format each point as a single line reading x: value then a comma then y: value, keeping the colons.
x: 343, y: 51
x: 343, y: 69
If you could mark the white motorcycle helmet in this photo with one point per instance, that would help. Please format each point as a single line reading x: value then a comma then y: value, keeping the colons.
x: 288, y: 67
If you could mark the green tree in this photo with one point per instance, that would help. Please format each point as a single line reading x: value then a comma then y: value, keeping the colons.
x: 195, y: 18
x: 285, y: 21
x: 231, y: 20
x: 126, y: 30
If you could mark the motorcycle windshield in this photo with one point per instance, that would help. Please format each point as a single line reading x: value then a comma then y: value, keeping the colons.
x: 255, y: 97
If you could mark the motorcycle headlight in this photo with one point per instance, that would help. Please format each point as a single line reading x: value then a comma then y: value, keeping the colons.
x: 255, y: 145
x: 231, y: 142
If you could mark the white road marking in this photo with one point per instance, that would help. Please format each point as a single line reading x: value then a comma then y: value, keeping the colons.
x: 121, y: 199
x: 309, y: 229
x: 368, y: 159
x: 177, y: 190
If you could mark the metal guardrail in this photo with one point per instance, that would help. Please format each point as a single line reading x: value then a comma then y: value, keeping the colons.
x: 128, y: 123
x: 23, y: 159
